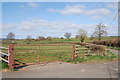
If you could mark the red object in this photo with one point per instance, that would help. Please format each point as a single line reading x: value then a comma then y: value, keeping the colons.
x: 73, y: 54
x: 11, y: 56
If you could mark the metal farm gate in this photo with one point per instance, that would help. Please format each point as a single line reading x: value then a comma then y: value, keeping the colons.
x: 27, y: 54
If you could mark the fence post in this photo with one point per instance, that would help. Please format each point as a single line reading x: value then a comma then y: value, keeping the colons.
x: 73, y: 52
x: 11, y: 56
x: 58, y: 51
x: 39, y: 55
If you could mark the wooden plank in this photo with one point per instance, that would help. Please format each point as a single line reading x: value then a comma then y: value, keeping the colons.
x: 4, y: 60
x: 81, y: 49
x: 40, y: 45
x: 4, y: 54
x: 3, y: 47
x: 81, y: 53
x: 77, y: 46
x: 26, y: 50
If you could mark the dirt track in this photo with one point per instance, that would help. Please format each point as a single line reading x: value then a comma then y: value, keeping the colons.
x: 65, y: 70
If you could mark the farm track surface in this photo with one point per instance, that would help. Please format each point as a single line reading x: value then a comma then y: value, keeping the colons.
x: 114, y: 51
x: 66, y: 70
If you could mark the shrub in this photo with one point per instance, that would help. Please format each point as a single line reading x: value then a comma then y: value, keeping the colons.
x: 28, y: 43
x: 49, y: 38
x: 62, y: 38
x: 41, y: 38
x: 97, y: 49
x: 110, y: 43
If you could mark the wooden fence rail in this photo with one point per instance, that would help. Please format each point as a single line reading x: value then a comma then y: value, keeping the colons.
x: 9, y: 55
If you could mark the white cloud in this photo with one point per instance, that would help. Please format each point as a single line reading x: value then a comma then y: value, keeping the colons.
x: 8, y: 26
x: 113, y: 5
x: 39, y: 23
x: 22, y: 6
x: 100, y: 11
x: 33, y: 5
x: 81, y: 9
x: 96, y: 17
x: 70, y: 9
x: 53, y: 27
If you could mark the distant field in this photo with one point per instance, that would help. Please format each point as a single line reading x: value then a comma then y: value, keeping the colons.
x: 5, y: 43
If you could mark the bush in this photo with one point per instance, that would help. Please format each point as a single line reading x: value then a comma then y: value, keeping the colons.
x: 49, y: 38
x: 97, y: 49
x: 62, y: 38
x: 28, y: 43
x: 94, y: 48
x: 41, y: 38
x: 109, y: 43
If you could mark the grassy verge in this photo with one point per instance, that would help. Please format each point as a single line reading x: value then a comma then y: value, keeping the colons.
x: 3, y: 65
x: 116, y: 48
x: 85, y: 59
x: 95, y: 58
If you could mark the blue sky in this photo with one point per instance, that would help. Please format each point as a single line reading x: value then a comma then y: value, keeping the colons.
x: 56, y: 18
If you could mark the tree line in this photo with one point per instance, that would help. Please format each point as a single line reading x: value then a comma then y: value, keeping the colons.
x: 99, y: 32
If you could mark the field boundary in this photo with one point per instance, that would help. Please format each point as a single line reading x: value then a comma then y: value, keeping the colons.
x: 37, y: 51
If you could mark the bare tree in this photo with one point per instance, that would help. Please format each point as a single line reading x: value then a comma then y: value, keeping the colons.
x: 82, y: 34
x: 92, y: 36
x: 28, y: 38
x: 77, y: 36
x: 11, y: 36
x: 49, y: 38
x: 41, y: 38
x: 67, y: 35
x: 100, y: 31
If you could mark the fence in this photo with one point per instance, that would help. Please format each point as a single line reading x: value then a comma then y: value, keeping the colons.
x: 27, y: 54
x: 82, y: 50
x: 42, y: 53
x: 8, y: 56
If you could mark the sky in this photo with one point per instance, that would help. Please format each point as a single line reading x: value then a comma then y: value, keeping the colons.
x: 56, y: 18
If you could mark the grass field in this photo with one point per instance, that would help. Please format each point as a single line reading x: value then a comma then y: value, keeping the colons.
x: 95, y: 58
x: 5, y: 43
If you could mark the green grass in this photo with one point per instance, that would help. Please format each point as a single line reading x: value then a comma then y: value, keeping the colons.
x: 116, y: 48
x: 95, y: 58
x: 3, y: 65
x: 5, y: 43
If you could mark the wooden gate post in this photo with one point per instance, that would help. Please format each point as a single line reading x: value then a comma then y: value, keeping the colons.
x: 11, y: 56
x: 73, y: 52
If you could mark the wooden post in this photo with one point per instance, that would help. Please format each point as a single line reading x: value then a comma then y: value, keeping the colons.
x: 39, y: 55
x: 73, y: 52
x: 58, y: 51
x: 11, y: 56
